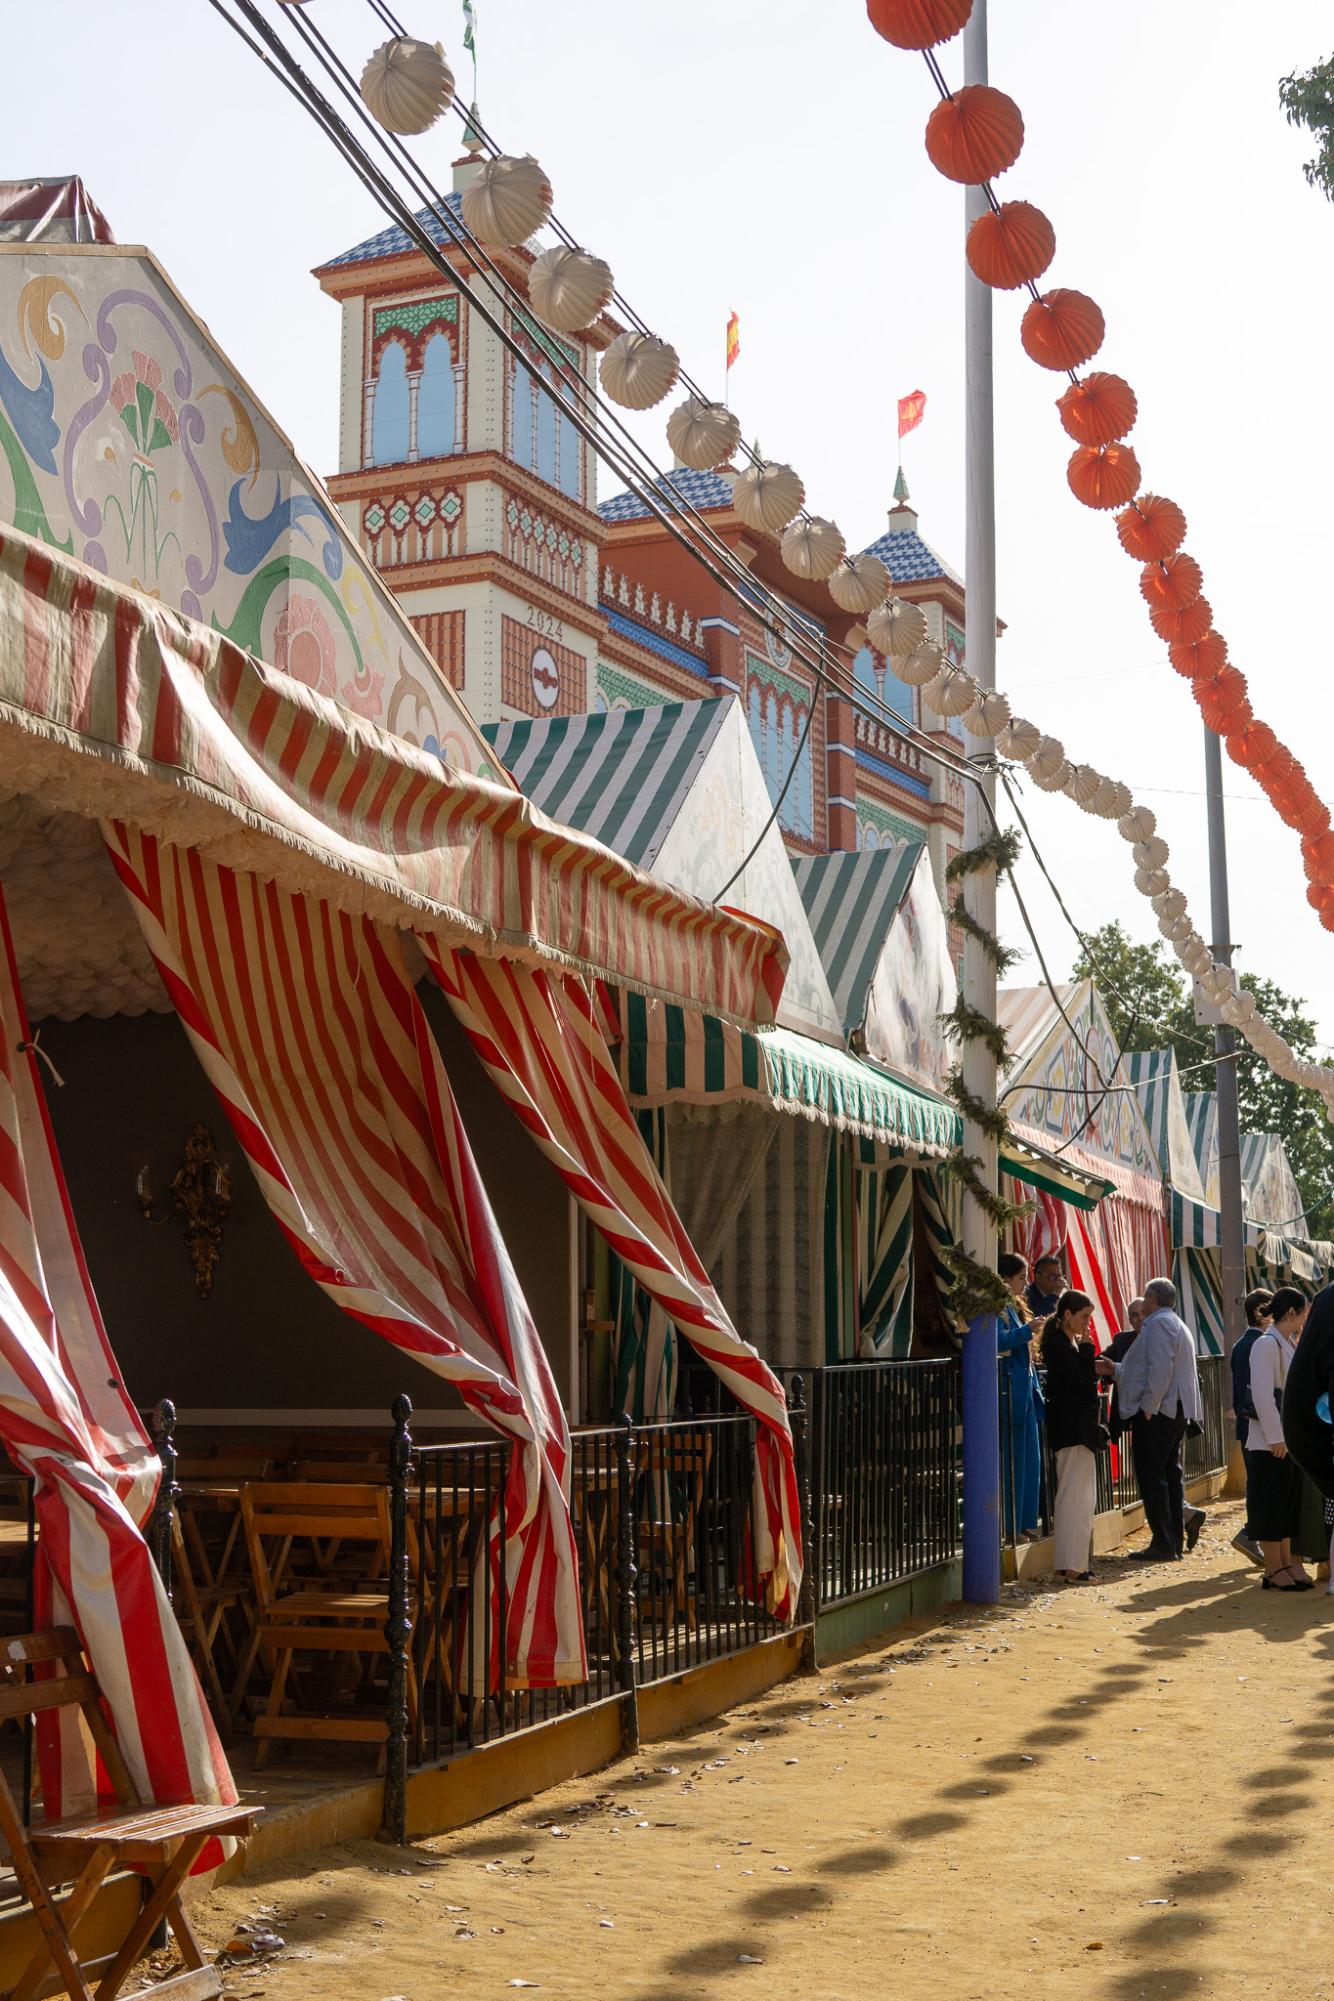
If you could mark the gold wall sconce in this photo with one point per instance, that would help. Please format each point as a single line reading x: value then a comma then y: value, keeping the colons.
x: 201, y: 1196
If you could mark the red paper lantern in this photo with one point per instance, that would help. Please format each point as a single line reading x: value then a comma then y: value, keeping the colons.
x: 1316, y: 895
x: 1252, y: 745
x: 1102, y: 476
x: 1062, y: 329
x: 1277, y: 770
x: 1152, y: 530
x: 1296, y: 802
x: 918, y: 24
x: 1200, y: 656
x: 1172, y: 584
x: 974, y: 135
x: 1222, y: 700
x: 1182, y: 628
x: 1318, y: 854
x: 1314, y: 818
x: 1098, y: 411
x: 1013, y: 246
x: 1327, y: 918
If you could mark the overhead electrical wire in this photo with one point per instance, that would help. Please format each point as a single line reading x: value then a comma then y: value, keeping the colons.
x: 649, y: 484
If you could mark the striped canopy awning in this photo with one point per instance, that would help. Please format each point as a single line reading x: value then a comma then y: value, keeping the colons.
x: 852, y: 900
x: 117, y: 708
x: 670, y: 1056
x: 1197, y: 1226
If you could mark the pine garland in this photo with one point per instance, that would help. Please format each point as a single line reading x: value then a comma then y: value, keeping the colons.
x: 976, y: 1289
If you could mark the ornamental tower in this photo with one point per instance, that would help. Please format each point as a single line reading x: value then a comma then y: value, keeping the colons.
x: 470, y: 491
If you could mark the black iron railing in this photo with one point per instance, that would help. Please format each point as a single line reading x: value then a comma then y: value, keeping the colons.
x: 884, y: 1474
x: 1208, y: 1453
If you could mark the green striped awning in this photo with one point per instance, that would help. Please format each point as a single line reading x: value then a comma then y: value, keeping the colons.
x: 621, y: 776
x: 852, y: 900
x: 671, y: 1055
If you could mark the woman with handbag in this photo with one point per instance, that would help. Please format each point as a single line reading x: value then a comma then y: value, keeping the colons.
x: 1075, y: 1430
x: 1273, y: 1480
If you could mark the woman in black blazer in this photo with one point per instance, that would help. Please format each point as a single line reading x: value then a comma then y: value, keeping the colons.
x: 1075, y: 1430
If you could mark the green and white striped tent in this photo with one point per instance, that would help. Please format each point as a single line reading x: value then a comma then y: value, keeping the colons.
x: 1185, y: 1130
x: 879, y: 927
x: 678, y: 790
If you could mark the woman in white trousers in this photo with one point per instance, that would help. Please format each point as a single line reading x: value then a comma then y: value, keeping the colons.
x: 1075, y: 1430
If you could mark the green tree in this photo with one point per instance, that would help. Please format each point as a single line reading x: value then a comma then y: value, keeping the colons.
x: 1308, y: 101
x: 1150, y: 1007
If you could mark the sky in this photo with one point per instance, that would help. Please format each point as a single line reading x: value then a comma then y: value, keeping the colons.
x: 766, y: 156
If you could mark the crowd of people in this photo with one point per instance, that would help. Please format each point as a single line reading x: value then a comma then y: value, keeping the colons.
x: 1144, y: 1387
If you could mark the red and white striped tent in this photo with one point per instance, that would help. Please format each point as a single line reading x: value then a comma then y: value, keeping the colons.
x: 284, y: 864
x: 1068, y: 1089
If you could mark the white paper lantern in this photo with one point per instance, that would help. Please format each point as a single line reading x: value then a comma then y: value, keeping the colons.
x: 508, y: 201
x: 950, y: 693
x: 1152, y: 853
x: 859, y: 584
x: 1111, y: 799
x: 1152, y: 881
x: 407, y: 84
x: 1169, y: 903
x: 921, y: 665
x: 639, y: 369
x: 766, y: 497
x: 813, y: 547
x: 1241, y: 1008
x: 703, y: 435
x: 569, y: 288
x: 1047, y: 758
x: 896, y: 627
x: 1082, y: 784
x: 1177, y: 928
x: 988, y: 715
x: 1050, y: 777
x: 1137, y: 824
x: 1019, y: 740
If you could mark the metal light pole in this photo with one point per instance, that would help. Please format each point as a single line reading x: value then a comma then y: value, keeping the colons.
x: 981, y: 1421
x: 1231, y: 1213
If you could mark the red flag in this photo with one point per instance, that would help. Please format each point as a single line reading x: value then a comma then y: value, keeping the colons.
x: 733, y: 339
x: 912, y: 409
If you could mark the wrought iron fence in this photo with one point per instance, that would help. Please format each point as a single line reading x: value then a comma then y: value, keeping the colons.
x: 884, y: 1474
x: 1208, y: 1453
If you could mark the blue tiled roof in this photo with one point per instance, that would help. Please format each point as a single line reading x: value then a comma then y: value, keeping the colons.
x: 908, y: 559
x: 700, y: 489
x: 656, y: 642
x: 392, y: 241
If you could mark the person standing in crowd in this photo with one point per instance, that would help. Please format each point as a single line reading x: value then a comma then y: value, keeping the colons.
x: 1272, y: 1477
x: 1243, y: 1410
x: 1118, y: 1348
x: 1046, y: 1289
x: 1308, y: 1431
x: 1075, y: 1430
x: 1159, y: 1387
x: 1021, y: 1406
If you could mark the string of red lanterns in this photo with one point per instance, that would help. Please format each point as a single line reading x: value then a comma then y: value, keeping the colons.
x: 973, y: 135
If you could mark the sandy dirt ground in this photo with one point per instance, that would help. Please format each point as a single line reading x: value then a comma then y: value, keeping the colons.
x: 1110, y: 1791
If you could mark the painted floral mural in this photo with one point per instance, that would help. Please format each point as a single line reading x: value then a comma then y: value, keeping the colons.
x: 127, y: 441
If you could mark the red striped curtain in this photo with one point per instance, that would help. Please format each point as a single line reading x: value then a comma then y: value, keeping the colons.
x: 67, y: 1420
x: 539, y: 1038
x: 305, y: 1020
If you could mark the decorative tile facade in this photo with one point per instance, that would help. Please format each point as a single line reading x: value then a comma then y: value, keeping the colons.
x: 442, y: 634
x: 538, y: 676
x: 544, y: 546
x: 413, y: 527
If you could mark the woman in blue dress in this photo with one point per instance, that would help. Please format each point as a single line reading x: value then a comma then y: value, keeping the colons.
x: 1020, y: 1406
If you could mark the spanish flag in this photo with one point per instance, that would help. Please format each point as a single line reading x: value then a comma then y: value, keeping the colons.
x: 912, y: 409
x: 733, y: 339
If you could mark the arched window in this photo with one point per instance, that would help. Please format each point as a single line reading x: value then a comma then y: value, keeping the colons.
x: 521, y: 416
x: 570, y: 452
x: 804, y: 788
x: 389, y: 424
x: 436, y: 432
x: 773, y: 742
x: 546, y: 467
x: 863, y: 668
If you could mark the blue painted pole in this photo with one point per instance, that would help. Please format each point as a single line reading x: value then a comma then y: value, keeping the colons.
x: 981, y: 1463
x: 981, y: 1427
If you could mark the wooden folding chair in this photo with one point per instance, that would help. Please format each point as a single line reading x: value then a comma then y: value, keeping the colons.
x: 160, y: 1843
x: 675, y: 1469
x: 315, y: 1614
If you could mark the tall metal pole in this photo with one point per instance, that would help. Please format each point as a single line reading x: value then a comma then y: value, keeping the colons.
x: 981, y: 1424
x: 1231, y: 1214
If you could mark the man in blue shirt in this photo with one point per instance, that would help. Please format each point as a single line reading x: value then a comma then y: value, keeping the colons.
x: 1159, y: 1389
x: 1044, y: 1294
x: 1243, y: 1407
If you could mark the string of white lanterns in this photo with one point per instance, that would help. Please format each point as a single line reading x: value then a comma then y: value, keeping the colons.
x: 407, y: 85
x: 953, y: 691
